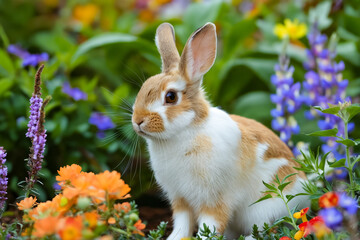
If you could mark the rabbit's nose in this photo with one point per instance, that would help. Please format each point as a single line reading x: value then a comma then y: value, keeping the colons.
x: 139, y: 122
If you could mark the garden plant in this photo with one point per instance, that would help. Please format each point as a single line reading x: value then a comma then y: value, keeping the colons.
x: 69, y: 75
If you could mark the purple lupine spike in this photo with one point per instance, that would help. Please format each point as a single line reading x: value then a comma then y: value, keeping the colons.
x: 287, y: 99
x: 36, y: 131
x: 324, y: 84
x: 3, y: 178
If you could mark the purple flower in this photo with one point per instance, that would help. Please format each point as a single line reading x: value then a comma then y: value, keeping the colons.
x: 28, y: 58
x: 324, y: 84
x: 332, y: 217
x: 102, y: 122
x: 3, y: 179
x: 287, y: 99
x: 75, y: 93
x: 36, y: 131
x: 348, y: 203
x: 56, y: 186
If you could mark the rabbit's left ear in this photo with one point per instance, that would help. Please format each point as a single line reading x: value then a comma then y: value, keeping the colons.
x: 165, y: 42
x: 199, y: 53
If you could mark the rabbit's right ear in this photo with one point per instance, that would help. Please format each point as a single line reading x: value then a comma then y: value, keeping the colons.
x: 165, y: 42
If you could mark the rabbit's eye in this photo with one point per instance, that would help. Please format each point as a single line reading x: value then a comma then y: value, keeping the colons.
x: 171, y: 97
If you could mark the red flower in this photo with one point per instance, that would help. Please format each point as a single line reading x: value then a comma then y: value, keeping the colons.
x: 329, y: 199
x: 285, y: 238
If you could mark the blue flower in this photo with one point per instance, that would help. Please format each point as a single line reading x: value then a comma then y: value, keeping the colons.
x: 348, y: 203
x: 75, y: 93
x: 28, y: 58
x: 332, y: 217
x: 287, y: 99
x: 102, y: 122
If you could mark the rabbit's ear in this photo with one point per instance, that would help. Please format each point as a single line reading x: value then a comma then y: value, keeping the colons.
x: 199, y: 53
x: 165, y: 42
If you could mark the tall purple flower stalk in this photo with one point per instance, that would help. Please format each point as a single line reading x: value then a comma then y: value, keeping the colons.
x: 3, y: 179
x: 324, y: 84
x: 287, y: 99
x: 36, y: 131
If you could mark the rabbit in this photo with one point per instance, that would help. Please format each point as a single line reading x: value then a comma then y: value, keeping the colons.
x: 210, y: 165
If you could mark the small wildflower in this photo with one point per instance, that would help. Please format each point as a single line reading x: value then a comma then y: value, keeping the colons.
x: 86, y: 14
x: 75, y: 93
x: 138, y: 227
x: 302, y: 214
x: 102, y: 122
x: 348, y: 203
x: 332, y: 217
x: 111, y: 220
x: 45, y: 226
x: 68, y: 173
x: 328, y: 200
x: 291, y: 29
x: 28, y: 58
x: 72, y: 228
x: 27, y: 203
x: 3, y: 179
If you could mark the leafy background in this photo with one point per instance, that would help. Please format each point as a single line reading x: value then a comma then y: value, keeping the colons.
x: 109, y: 56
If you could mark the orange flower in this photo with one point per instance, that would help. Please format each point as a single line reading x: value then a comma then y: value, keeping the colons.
x: 329, y: 199
x: 301, y: 214
x: 86, y: 14
x: 45, y: 227
x: 285, y: 238
x: 139, y: 226
x: 126, y: 207
x: 112, y: 184
x: 71, y: 228
x: 91, y: 218
x: 27, y: 203
x: 81, y: 186
x: 68, y: 173
x: 111, y: 220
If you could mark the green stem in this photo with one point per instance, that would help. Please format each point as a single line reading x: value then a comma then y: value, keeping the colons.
x: 350, y: 167
x: 288, y: 209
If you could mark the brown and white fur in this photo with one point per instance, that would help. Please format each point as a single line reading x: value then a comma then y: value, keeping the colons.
x: 209, y: 164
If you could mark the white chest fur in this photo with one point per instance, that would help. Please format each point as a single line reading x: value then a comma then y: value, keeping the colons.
x: 198, y: 164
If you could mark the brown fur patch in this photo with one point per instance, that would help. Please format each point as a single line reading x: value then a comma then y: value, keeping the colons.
x: 201, y: 144
x: 174, y: 111
x: 253, y: 133
x: 220, y: 212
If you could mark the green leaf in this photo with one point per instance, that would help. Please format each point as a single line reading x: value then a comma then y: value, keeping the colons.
x: 6, y: 66
x: 262, y: 199
x: 270, y: 187
x: 110, y: 38
x: 292, y: 174
x: 320, y: 15
x: 263, y: 68
x: 289, y: 197
x: 331, y: 110
x: 347, y: 142
x: 323, y: 161
x: 325, y: 133
x: 282, y: 186
x: 339, y: 163
x: 255, y: 105
x: 5, y: 84
x: 352, y: 110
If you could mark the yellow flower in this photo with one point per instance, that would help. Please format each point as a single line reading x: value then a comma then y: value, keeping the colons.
x: 293, y: 30
x: 301, y: 214
x: 86, y: 14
